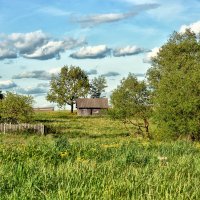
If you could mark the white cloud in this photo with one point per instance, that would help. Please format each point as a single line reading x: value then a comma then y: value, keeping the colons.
x: 96, y: 19
x: 128, y: 51
x: 38, y: 74
x: 7, y: 84
x: 47, y: 51
x: 195, y: 27
x: 32, y: 90
x: 152, y: 54
x: 7, y: 53
x: 92, y: 52
x: 35, y: 45
x: 26, y: 42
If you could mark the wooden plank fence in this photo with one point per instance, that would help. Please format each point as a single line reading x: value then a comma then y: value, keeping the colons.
x: 7, y: 128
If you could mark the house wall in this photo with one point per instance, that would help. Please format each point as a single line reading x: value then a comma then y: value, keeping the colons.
x: 84, y: 112
x: 89, y: 111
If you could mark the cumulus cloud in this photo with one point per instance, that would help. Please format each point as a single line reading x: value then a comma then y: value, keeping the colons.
x: 91, y: 72
x: 152, y: 54
x: 40, y: 74
x: 52, y: 49
x: 110, y: 74
x: 7, y: 84
x: 96, y: 19
x: 35, y: 45
x: 6, y: 52
x: 39, y: 89
x: 195, y: 27
x: 32, y: 90
x: 128, y: 51
x: 92, y: 52
x: 26, y: 42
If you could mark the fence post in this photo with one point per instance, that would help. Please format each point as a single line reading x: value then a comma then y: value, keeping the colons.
x: 42, y: 127
x: 4, y: 128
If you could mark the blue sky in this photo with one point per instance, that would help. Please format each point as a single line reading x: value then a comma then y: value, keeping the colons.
x: 103, y: 37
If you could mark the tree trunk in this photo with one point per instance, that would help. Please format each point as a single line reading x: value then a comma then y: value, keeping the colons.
x: 146, y: 125
x: 72, y: 107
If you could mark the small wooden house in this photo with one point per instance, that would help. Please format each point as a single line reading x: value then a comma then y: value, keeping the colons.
x: 43, y: 109
x: 91, y: 106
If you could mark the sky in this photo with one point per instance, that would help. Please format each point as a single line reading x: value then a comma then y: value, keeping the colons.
x: 103, y: 37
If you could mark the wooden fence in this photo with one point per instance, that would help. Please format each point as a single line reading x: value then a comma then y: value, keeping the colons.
x: 36, y: 128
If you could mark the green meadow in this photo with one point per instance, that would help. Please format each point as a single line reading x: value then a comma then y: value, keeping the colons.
x: 95, y: 158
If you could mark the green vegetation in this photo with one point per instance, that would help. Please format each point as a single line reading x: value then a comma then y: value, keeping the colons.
x: 95, y: 158
x: 175, y: 82
x: 97, y: 86
x: 99, y: 158
x: 16, y: 108
x: 131, y: 104
x: 70, y: 84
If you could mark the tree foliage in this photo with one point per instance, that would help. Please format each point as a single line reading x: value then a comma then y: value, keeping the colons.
x: 16, y: 108
x: 70, y: 84
x: 131, y: 103
x: 175, y: 81
x: 1, y: 95
x: 97, y: 86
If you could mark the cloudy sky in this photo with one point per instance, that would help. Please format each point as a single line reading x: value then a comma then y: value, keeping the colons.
x: 103, y: 37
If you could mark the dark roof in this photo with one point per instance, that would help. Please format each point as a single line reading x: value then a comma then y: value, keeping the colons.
x: 92, y: 103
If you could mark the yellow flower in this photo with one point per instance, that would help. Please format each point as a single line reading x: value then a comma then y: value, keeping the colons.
x: 79, y: 159
x: 64, y: 154
x: 110, y: 146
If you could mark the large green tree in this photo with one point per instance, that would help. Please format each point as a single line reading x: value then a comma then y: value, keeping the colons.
x: 131, y: 103
x: 16, y: 108
x: 70, y: 84
x: 175, y: 82
x: 97, y: 86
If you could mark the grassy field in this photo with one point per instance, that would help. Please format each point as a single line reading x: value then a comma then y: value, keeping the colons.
x: 95, y: 158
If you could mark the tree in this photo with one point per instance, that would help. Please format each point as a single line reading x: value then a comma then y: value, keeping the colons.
x: 97, y: 86
x: 16, y: 108
x: 131, y: 103
x: 1, y: 95
x: 174, y: 78
x: 70, y: 84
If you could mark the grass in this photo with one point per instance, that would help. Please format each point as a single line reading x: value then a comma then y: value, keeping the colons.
x: 93, y: 158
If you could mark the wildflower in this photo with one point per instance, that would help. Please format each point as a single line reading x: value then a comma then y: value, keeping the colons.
x: 82, y: 160
x: 163, y: 160
x: 110, y: 146
x: 64, y: 154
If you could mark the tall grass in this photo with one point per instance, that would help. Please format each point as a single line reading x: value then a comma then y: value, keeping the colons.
x: 82, y: 167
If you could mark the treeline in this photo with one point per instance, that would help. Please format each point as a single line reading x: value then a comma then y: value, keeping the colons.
x: 169, y: 97
x: 171, y: 94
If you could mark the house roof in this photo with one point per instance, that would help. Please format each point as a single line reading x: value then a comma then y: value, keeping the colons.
x: 92, y: 103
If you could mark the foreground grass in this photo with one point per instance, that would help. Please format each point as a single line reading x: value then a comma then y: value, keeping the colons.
x: 110, y: 166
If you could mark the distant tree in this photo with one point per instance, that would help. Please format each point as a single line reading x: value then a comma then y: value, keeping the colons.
x: 131, y: 104
x: 16, y: 108
x: 97, y: 86
x: 1, y: 95
x: 175, y: 81
x: 70, y: 84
